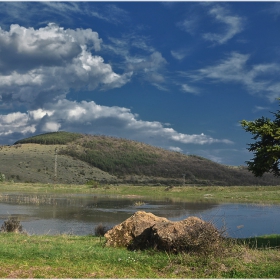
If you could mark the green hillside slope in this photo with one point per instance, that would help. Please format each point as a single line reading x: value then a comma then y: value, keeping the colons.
x: 129, y: 161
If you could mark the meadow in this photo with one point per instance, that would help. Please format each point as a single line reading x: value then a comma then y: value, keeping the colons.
x: 66, y: 256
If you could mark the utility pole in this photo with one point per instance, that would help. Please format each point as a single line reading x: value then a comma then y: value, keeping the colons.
x: 184, y: 176
x: 55, y: 165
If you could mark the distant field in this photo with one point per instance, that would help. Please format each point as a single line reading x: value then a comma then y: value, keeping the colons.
x: 250, y: 194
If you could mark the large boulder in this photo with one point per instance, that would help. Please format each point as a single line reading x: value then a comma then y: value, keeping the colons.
x: 134, y: 232
x: 144, y: 230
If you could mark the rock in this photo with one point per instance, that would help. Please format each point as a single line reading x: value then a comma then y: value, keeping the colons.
x: 135, y: 232
x: 145, y: 230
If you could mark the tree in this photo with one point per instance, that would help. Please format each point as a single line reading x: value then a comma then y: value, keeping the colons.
x: 266, y: 148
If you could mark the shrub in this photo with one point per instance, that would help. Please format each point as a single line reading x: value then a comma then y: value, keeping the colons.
x: 12, y: 225
x: 203, y: 238
x: 2, y: 177
x: 100, y: 230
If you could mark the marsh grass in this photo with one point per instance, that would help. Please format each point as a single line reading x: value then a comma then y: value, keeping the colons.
x: 138, y: 203
x: 264, y: 195
x: 65, y: 256
x: 263, y: 242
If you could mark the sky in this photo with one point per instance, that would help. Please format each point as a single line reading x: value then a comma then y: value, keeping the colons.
x: 176, y: 75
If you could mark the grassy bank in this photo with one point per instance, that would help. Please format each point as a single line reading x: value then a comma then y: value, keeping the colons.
x: 67, y: 256
x: 250, y: 194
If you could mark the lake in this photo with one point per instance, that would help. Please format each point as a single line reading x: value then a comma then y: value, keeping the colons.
x: 79, y: 214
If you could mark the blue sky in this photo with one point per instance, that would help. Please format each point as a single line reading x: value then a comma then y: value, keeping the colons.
x: 177, y: 75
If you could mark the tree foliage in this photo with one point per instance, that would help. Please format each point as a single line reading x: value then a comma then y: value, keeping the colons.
x: 51, y: 138
x: 266, y: 148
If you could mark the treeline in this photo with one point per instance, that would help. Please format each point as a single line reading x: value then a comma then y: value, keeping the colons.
x: 51, y: 138
x: 112, y: 155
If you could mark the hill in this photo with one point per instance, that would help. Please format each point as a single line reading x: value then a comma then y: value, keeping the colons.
x: 81, y: 158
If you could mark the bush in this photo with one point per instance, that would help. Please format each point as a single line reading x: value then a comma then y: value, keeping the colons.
x: 12, y: 225
x: 203, y: 238
x: 100, y: 230
x: 2, y: 177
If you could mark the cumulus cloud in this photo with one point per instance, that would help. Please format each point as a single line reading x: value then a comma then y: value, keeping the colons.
x: 16, y: 122
x: 96, y: 119
x: 234, y: 25
x: 42, y: 65
x: 235, y: 69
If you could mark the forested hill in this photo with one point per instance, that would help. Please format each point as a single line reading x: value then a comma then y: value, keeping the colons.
x: 134, y: 162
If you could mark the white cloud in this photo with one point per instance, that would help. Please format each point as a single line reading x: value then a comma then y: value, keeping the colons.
x: 149, y: 67
x: 196, y: 138
x: 39, y: 114
x: 260, y: 108
x: 190, y: 89
x: 180, y: 54
x: 151, y: 63
x: 15, y: 119
x: 96, y: 119
x: 176, y: 149
x: 188, y: 25
x: 51, y: 126
x: 42, y: 65
x: 112, y: 13
x: 235, y: 69
x: 234, y: 25
x: 16, y: 122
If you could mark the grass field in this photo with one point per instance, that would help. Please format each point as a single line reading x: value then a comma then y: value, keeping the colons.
x: 65, y: 256
x: 35, y: 163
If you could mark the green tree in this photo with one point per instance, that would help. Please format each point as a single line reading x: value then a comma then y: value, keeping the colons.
x: 266, y: 148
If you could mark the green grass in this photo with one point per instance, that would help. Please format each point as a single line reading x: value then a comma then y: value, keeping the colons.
x: 263, y: 242
x: 66, y: 256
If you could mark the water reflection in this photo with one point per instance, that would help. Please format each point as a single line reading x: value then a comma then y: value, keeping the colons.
x: 79, y: 214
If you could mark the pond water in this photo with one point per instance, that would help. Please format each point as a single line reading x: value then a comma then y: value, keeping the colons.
x: 80, y: 214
